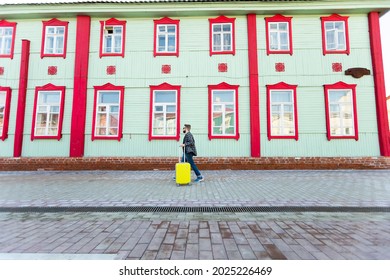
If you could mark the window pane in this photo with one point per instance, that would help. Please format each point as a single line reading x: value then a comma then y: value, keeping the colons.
x: 171, y: 43
x: 49, y: 45
x: 100, y: 131
x: 217, y: 42
x: 118, y: 29
x: 217, y: 130
x: 161, y: 28
x: 171, y: 29
x: 283, y: 41
x: 113, y: 131
x: 217, y: 108
x: 171, y: 123
x: 217, y: 119
x: 339, y: 25
x: 118, y: 44
x: 217, y: 28
x: 108, y: 40
x: 226, y: 27
x: 329, y: 25
x: 158, y: 108
x: 330, y: 40
x: 226, y: 42
x: 281, y: 96
x: 274, y: 41
x: 101, y: 120
x: 165, y: 97
x: 113, y: 121
x: 171, y: 108
x: 59, y: 45
x: 341, y: 41
x: 49, y: 97
x: 273, y: 26
x: 114, y: 109
x: 60, y: 30
x: 223, y: 96
x: 283, y: 26
x: 2, y: 98
x: 109, y: 97
x: 288, y: 131
x: 161, y: 43
x: 340, y: 96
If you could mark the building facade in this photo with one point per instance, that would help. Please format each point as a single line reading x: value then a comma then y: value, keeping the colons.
x: 253, y: 78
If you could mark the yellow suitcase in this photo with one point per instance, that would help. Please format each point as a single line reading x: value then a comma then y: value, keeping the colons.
x: 183, y: 173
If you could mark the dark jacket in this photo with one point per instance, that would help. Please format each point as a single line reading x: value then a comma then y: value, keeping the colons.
x: 189, y: 143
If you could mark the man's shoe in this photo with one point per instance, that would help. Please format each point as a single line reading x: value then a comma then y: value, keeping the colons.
x: 199, y: 179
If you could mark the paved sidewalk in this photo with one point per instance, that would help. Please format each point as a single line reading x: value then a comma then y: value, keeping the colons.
x: 246, y: 235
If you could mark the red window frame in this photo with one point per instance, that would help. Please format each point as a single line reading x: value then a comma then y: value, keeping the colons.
x: 164, y: 86
x: 163, y: 21
x: 223, y: 86
x: 222, y: 20
x: 112, y: 22
x: 4, y: 23
x: 108, y: 87
x: 54, y: 22
x: 7, y: 90
x: 282, y: 86
x: 278, y: 18
x: 48, y: 87
x: 341, y: 86
x: 332, y: 18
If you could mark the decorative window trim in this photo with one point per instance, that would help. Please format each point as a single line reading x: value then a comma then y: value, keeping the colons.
x: 7, y: 90
x: 48, y: 87
x: 279, y: 18
x: 221, y: 20
x: 112, y: 22
x: 341, y: 86
x: 54, y: 22
x: 335, y: 17
x: 164, y: 86
x: 282, y: 86
x: 223, y: 86
x: 164, y: 21
x: 4, y: 23
x: 108, y: 87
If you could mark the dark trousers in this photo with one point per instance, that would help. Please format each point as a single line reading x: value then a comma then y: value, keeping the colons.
x: 189, y: 158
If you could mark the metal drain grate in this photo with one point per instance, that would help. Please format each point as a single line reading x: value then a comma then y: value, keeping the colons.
x: 196, y: 209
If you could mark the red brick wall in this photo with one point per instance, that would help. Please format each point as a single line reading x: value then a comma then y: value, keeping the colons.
x: 147, y: 163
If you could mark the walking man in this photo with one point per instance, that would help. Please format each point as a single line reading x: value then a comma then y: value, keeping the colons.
x: 190, y: 151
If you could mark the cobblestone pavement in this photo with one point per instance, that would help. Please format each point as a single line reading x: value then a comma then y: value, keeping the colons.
x: 254, y: 235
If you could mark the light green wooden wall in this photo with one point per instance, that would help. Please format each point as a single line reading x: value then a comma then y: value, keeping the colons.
x: 310, y: 70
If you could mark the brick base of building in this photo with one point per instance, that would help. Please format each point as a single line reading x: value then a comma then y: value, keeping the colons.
x: 204, y: 163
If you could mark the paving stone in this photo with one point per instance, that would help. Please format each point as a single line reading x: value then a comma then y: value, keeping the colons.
x: 192, y: 252
x: 205, y: 255
x: 204, y: 244
x: 138, y: 251
x: 219, y: 252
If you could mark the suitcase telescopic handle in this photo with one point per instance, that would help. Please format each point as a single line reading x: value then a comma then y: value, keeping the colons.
x: 183, y: 155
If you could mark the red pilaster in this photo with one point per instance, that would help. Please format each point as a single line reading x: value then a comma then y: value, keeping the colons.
x: 379, y: 81
x: 23, y: 78
x: 253, y: 86
x: 77, y: 132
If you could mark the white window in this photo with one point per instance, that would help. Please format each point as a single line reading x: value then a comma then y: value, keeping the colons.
x: 278, y: 36
x: 113, y: 38
x: 107, y: 113
x: 222, y: 37
x: 2, y: 110
x: 166, y: 38
x: 335, y: 35
x: 55, y: 39
x: 282, y: 113
x: 48, y: 113
x: 223, y: 112
x: 6, y: 34
x: 341, y: 113
x: 164, y: 112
